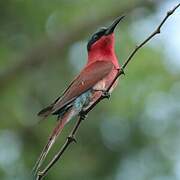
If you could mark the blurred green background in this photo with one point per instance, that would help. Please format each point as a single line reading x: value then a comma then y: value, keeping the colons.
x: 135, y: 134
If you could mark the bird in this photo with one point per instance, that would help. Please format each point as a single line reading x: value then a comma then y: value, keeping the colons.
x: 92, y: 82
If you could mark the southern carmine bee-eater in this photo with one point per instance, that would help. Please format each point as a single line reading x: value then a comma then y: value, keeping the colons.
x: 92, y: 82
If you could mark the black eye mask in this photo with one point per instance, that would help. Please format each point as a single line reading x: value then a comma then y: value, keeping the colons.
x: 96, y: 36
x: 103, y: 32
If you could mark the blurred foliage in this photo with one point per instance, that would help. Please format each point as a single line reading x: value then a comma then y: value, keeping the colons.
x: 134, y: 135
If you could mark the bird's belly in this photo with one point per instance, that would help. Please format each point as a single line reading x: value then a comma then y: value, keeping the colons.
x: 101, y: 86
x: 106, y: 82
x: 85, y: 100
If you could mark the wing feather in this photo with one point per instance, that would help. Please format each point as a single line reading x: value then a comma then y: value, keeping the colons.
x: 88, y: 77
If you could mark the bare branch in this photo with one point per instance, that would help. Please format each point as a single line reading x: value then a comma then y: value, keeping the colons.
x: 71, y: 137
x: 157, y: 31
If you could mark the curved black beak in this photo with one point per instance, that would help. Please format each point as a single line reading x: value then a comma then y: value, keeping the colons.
x: 111, y: 28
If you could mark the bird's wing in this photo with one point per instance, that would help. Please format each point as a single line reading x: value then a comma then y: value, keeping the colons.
x: 88, y: 77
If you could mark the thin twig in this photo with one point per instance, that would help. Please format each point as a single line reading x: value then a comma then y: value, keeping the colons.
x: 69, y: 140
x: 71, y: 137
x: 157, y: 31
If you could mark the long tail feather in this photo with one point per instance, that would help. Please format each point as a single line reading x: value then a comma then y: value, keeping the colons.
x: 57, y: 130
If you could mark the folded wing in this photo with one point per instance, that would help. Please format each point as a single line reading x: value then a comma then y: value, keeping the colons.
x: 87, y: 78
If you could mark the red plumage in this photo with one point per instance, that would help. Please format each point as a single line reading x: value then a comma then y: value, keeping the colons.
x: 98, y: 74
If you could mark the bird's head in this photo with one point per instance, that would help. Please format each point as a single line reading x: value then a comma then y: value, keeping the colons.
x: 103, y: 39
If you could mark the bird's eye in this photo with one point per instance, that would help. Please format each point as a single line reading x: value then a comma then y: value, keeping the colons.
x: 95, y: 37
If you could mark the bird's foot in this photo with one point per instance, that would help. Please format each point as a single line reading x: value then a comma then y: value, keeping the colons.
x: 106, y: 94
x: 83, y: 115
x: 122, y: 71
x: 72, y: 139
